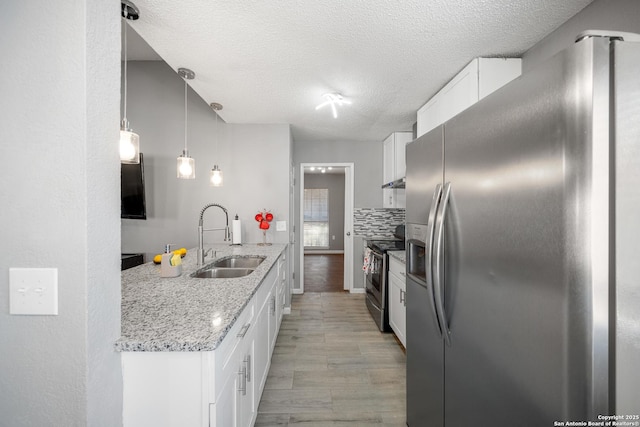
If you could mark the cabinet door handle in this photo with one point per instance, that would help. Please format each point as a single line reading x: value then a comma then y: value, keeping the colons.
x: 244, y: 330
x: 402, y: 297
x: 242, y: 386
x: 247, y: 362
x: 272, y: 305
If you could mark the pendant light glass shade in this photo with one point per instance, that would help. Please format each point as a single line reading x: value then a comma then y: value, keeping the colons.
x: 129, y: 146
x: 186, y: 166
x: 215, y: 177
x: 129, y: 141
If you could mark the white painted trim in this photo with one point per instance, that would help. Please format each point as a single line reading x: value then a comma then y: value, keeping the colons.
x: 357, y: 291
x: 348, y: 226
x: 324, y: 252
x: 287, y: 310
x: 300, y: 290
x: 348, y: 222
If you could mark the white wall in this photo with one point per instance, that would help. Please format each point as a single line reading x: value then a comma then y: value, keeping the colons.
x: 254, y: 158
x: 367, y: 159
x: 59, y: 107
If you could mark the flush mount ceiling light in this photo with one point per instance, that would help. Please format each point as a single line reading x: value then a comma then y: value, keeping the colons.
x: 215, y: 176
x: 129, y: 140
x: 321, y: 169
x: 333, y: 99
x: 186, y: 165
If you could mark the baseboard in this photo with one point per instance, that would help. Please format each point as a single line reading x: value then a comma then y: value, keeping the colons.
x: 353, y: 291
x: 324, y: 252
x: 287, y: 310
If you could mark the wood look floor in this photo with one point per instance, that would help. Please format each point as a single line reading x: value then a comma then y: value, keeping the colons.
x: 323, y: 273
x: 333, y: 367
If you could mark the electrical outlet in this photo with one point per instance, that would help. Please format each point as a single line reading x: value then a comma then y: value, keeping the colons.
x: 33, y: 291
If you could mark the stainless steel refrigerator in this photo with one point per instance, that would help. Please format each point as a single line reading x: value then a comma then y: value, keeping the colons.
x: 516, y: 245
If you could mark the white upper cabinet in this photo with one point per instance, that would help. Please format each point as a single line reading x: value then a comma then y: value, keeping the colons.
x: 394, y: 167
x: 478, y: 79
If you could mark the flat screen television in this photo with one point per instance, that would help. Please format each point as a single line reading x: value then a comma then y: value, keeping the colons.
x: 132, y: 204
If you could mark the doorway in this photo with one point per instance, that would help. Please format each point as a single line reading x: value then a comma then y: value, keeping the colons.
x: 326, y: 218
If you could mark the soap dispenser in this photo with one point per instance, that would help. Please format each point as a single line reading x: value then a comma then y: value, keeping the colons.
x: 167, y: 268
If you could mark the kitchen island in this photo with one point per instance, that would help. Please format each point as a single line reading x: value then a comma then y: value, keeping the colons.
x: 195, y: 351
x: 186, y: 313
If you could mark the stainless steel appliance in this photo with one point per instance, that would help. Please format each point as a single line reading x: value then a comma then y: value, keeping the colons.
x: 377, y: 298
x: 516, y: 246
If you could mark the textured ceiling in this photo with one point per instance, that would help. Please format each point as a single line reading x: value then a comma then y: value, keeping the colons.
x: 271, y: 61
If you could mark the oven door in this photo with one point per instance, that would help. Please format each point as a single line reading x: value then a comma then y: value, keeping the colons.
x: 375, y: 279
x: 375, y: 288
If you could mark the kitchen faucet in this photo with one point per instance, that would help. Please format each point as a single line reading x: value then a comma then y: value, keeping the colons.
x: 227, y: 235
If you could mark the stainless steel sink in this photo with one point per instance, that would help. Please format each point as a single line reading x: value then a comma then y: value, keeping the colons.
x: 222, y: 273
x: 251, y: 261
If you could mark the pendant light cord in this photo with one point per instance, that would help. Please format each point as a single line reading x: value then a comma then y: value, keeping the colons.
x: 124, y: 119
x: 185, y: 116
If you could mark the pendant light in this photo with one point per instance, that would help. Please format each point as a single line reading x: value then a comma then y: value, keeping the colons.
x: 129, y: 140
x: 215, y: 176
x: 186, y: 166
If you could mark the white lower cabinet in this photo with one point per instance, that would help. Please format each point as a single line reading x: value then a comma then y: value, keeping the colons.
x: 236, y: 405
x: 207, y: 389
x: 266, y: 328
x: 398, y: 299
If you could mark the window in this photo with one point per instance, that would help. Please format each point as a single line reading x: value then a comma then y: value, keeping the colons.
x: 316, y: 217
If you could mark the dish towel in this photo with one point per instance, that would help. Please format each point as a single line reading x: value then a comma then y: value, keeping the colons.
x: 367, y: 262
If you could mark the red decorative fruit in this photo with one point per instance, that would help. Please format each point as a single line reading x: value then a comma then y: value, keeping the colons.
x: 264, y: 225
x: 259, y: 217
x: 269, y: 216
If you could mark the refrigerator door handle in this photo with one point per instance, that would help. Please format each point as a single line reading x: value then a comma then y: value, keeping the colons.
x: 435, y: 202
x: 438, y: 262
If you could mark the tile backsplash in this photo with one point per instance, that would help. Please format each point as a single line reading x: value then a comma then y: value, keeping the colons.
x: 376, y: 221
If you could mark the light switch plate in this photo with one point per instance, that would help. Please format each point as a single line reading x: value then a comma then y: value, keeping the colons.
x: 281, y: 225
x: 33, y: 291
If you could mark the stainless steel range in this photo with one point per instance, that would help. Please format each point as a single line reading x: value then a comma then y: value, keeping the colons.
x: 376, y: 271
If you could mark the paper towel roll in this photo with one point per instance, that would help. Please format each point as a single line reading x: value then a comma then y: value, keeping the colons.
x: 236, y: 232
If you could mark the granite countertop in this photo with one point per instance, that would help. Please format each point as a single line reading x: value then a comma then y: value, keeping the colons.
x: 185, y: 313
x: 399, y: 255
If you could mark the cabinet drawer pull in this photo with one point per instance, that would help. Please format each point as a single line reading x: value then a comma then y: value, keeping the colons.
x: 247, y: 362
x: 242, y: 381
x: 244, y: 330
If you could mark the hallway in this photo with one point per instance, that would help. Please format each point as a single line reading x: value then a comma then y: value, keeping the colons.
x: 332, y: 367
x: 323, y: 273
